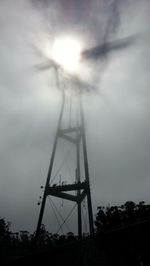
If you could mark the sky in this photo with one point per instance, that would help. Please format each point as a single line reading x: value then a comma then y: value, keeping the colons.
x: 116, y: 112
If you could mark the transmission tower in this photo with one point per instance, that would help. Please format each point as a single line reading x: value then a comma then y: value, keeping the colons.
x: 78, y: 190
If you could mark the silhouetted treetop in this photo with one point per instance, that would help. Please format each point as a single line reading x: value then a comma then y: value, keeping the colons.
x: 113, y: 216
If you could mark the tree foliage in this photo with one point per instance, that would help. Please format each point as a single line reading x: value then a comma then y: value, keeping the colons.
x: 113, y: 216
x: 4, y: 229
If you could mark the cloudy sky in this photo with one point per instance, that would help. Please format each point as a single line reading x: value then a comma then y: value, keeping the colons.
x: 117, y: 114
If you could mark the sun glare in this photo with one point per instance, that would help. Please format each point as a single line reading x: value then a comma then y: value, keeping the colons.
x: 66, y: 52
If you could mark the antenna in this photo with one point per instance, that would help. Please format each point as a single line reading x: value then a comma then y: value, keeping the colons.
x: 74, y: 134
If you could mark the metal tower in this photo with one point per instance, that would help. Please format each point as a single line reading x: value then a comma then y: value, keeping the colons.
x: 81, y: 187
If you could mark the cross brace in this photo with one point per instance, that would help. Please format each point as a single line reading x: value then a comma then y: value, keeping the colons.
x: 66, y: 196
x: 58, y: 191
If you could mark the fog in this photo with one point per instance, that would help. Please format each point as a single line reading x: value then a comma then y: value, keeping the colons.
x: 116, y: 112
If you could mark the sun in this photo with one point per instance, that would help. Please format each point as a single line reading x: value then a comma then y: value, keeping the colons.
x: 66, y: 52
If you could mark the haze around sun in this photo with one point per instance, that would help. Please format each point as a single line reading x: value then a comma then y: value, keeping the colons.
x: 66, y: 52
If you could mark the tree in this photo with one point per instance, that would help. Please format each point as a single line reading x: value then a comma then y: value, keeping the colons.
x: 4, y: 229
x: 113, y: 216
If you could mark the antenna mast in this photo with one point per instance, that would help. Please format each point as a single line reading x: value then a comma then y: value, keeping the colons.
x: 81, y: 187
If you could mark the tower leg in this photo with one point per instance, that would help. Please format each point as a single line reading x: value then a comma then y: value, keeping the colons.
x: 89, y: 201
x: 49, y: 172
x: 79, y: 192
x: 79, y: 221
x: 90, y: 212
